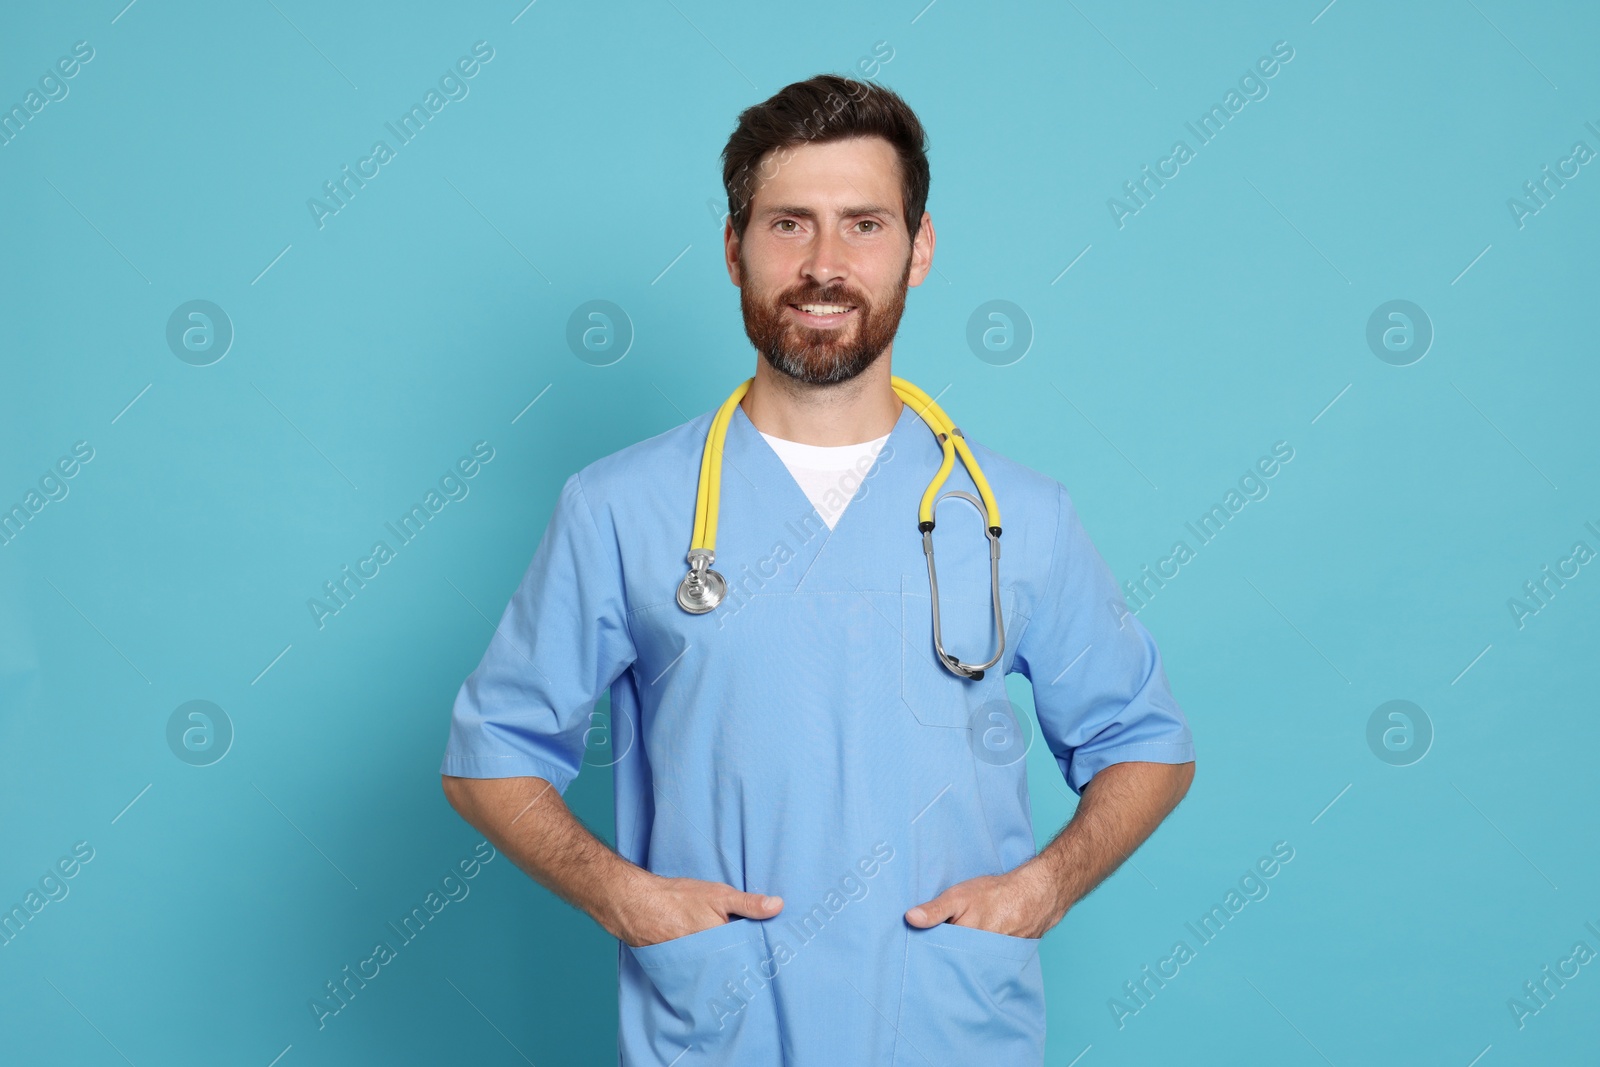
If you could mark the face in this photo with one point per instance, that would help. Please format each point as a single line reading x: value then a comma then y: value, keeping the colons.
x: 825, y: 260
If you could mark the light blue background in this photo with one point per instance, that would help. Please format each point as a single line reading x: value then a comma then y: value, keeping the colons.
x: 1228, y: 314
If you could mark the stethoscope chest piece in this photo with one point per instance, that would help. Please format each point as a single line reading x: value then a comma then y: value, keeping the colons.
x: 702, y: 589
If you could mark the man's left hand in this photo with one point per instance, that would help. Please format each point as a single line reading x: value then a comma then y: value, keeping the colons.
x: 1020, y: 903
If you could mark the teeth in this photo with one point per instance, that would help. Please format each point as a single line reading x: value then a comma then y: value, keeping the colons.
x: 824, y: 309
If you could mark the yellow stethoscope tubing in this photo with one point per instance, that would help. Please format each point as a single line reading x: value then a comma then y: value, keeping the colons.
x: 951, y: 441
x: 709, y: 495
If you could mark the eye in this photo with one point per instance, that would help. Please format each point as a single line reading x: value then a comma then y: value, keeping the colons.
x: 787, y: 222
x: 870, y: 222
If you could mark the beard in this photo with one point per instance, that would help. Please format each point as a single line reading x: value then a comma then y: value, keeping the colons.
x: 816, y: 356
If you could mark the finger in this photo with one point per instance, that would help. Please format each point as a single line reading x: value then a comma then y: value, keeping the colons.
x: 754, y: 905
x: 940, y: 909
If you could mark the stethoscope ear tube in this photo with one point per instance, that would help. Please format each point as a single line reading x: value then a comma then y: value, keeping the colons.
x: 966, y: 670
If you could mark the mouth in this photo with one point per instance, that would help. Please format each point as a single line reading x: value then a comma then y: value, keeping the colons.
x: 822, y: 316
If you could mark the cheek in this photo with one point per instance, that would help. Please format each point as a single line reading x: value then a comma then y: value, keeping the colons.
x: 886, y: 285
x: 770, y: 272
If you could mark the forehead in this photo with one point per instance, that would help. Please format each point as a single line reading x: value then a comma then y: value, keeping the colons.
x: 852, y: 171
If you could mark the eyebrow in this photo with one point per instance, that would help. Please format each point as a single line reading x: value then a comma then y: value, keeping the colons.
x: 807, y: 213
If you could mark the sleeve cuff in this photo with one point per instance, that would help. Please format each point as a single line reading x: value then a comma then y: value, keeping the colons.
x: 1085, y: 765
x: 511, y: 766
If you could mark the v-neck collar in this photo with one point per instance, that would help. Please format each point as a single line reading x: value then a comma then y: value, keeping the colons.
x: 757, y: 444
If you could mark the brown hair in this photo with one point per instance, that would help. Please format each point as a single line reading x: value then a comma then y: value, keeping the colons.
x: 816, y: 111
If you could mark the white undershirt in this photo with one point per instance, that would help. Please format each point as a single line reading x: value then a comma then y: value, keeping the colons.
x: 828, y: 474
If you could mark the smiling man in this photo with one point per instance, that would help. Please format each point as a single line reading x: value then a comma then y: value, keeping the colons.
x: 825, y: 854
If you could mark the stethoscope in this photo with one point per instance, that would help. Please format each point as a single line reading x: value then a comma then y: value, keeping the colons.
x: 703, y: 588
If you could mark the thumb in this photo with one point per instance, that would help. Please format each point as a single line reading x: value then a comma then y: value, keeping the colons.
x: 931, y: 913
x: 756, y: 905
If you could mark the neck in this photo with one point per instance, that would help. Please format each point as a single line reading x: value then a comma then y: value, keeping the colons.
x: 862, y: 409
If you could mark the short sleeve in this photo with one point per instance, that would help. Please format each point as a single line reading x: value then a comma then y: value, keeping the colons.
x: 562, y: 640
x: 1099, y: 688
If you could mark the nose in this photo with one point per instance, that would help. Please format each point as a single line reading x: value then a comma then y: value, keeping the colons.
x: 825, y: 263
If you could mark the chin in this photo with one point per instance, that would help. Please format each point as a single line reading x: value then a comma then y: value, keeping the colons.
x: 830, y: 369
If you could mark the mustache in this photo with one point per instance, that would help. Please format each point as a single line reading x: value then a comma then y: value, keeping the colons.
x: 823, y: 296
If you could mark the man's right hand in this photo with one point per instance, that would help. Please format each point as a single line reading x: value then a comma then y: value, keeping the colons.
x: 526, y: 819
x: 661, y: 909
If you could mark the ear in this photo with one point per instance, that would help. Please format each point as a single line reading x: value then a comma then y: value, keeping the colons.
x: 921, y: 251
x: 730, y: 251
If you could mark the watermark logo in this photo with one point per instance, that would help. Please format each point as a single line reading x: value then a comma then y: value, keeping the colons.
x: 1399, y: 333
x: 998, y: 735
x: 199, y: 733
x: 999, y: 333
x: 199, y: 333
x: 608, y: 739
x: 1399, y: 733
x: 599, y: 332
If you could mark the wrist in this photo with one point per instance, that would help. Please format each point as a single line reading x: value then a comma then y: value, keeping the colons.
x: 622, y: 896
x: 1043, y: 891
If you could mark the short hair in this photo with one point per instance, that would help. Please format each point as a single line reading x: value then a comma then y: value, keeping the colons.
x: 821, y: 109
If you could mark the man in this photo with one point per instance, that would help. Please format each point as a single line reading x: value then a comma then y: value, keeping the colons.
x: 824, y: 848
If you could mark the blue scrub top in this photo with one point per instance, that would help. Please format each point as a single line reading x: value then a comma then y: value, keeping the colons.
x: 802, y: 740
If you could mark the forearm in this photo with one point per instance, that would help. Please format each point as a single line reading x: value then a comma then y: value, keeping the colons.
x: 1120, y: 807
x: 527, y: 820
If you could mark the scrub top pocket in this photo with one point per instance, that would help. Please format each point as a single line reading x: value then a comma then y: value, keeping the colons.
x: 695, y: 1009
x: 933, y: 694
x: 971, y: 997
